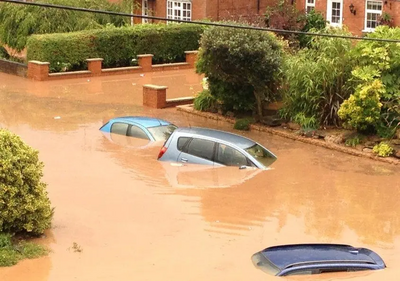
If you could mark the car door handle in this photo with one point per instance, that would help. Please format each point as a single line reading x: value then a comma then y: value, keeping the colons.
x: 184, y: 160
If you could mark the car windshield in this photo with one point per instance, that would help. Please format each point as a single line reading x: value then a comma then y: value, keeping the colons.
x: 161, y: 133
x: 261, y: 154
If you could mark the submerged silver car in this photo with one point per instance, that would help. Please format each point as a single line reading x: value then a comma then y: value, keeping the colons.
x: 213, y: 147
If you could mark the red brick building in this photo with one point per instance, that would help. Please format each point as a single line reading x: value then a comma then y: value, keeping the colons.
x: 359, y: 16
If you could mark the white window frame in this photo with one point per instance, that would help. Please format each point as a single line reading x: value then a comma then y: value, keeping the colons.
x: 310, y: 4
x: 145, y: 10
x: 329, y: 13
x: 371, y: 11
x: 179, y: 10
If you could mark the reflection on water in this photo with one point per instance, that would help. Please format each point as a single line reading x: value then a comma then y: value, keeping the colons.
x: 138, y: 218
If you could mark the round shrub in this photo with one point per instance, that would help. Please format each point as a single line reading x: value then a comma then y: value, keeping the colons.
x: 243, y: 124
x: 204, y: 101
x: 383, y: 149
x: 362, y: 109
x: 24, y: 204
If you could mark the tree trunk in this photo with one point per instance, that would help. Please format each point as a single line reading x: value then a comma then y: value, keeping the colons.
x: 260, y: 98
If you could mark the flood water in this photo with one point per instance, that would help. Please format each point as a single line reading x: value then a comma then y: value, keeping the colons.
x: 135, y: 218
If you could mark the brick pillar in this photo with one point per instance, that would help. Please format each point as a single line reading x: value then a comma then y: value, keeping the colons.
x: 38, y: 70
x: 154, y: 96
x: 191, y: 57
x: 95, y: 66
x: 146, y: 62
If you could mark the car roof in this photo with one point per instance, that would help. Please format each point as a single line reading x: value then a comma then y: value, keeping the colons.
x: 287, y: 256
x: 146, y: 122
x: 239, y: 141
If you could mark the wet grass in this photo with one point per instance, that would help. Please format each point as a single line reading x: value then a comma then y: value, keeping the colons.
x: 13, y: 250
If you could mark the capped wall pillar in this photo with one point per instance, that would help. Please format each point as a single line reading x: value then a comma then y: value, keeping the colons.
x: 146, y: 62
x: 38, y: 70
x: 191, y: 57
x: 95, y: 66
x: 154, y: 96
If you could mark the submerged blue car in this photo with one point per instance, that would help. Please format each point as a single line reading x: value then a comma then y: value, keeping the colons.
x: 148, y: 128
x: 315, y: 258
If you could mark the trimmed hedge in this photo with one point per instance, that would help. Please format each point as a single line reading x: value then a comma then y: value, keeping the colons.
x: 117, y: 46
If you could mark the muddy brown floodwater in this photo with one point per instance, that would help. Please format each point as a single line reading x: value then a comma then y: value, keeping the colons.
x: 135, y: 218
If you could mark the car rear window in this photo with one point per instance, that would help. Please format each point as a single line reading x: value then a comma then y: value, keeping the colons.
x: 261, y: 154
x: 161, y: 133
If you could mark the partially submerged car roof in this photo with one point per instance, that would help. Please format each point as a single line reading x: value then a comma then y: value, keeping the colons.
x: 286, y: 258
x: 146, y: 122
x: 238, y: 140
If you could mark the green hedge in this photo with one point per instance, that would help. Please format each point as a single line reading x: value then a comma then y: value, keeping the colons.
x: 117, y: 46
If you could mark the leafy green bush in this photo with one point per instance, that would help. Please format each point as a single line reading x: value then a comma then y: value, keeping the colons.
x: 243, y: 124
x: 383, y: 149
x: 315, y: 78
x: 204, y: 101
x: 24, y: 205
x: 362, y: 110
x: 315, y: 21
x: 233, y: 97
x: 381, y: 61
x: 306, y: 123
x: 167, y: 43
x: 232, y: 57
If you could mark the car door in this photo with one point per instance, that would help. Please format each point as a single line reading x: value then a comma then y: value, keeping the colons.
x: 197, y: 151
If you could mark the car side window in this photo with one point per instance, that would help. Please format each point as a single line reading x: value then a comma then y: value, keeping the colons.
x: 229, y: 156
x: 182, y: 142
x: 201, y: 148
x: 136, y: 132
x: 119, y: 128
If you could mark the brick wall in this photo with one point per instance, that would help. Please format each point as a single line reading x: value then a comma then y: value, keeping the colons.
x: 13, y: 68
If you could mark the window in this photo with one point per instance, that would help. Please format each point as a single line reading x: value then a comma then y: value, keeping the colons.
x: 310, y: 5
x: 261, y: 154
x: 179, y: 10
x: 182, y: 142
x: 119, y: 128
x: 372, y: 13
x: 201, y: 148
x: 145, y: 10
x: 162, y: 132
x: 334, y: 13
x: 136, y: 132
x: 230, y: 157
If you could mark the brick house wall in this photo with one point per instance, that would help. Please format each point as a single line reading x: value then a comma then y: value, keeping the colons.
x: 251, y: 9
x: 356, y: 23
x: 214, y: 9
